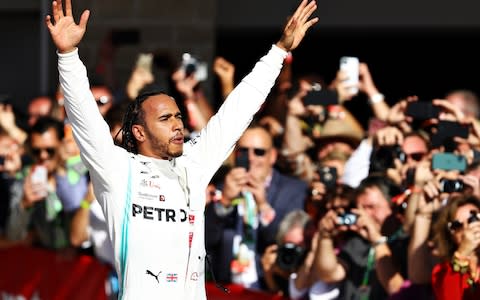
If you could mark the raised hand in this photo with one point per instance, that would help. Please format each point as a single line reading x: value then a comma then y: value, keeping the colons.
x: 66, y: 34
x: 224, y: 69
x: 297, y: 26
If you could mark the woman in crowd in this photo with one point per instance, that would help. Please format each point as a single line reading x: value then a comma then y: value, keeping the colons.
x: 457, y: 236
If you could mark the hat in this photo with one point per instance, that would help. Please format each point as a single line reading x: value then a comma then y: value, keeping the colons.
x: 339, y: 130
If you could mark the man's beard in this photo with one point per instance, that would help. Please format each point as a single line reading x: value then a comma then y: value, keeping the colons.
x: 161, y: 148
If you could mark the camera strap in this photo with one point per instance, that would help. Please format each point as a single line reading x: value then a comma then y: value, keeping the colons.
x: 368, y: 269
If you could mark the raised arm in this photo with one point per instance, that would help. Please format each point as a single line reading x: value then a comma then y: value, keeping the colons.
x: 237, y: 111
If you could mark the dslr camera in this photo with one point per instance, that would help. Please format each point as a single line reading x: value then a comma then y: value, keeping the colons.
x: 328, y: 176
x: 451, y: 185
x: 385, y: 156
x: 347, y: 219
x: 290, y: 257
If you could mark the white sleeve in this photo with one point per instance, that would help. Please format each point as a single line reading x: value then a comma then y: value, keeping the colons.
x: 90, y: 130
x: 358, y: 165
x: 217, y: 139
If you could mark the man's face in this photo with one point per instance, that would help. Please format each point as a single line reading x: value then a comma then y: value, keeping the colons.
x: 45, y: 148
x: 162, y: 136
x: 415, y: 150
x: 261, y: 153
x: 375, y: 204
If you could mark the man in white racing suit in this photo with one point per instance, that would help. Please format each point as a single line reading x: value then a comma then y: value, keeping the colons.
x: 152, y: 189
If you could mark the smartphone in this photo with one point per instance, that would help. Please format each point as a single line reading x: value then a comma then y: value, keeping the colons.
x: 451, y: 185
x: 422, y: 110
x: 39, y: 174
x: 351, y: 66
x: 321, y: 97
x: 449, y: 162
x: 446, y: 130
x: 145, y: 61
x: 192, y: 65
x: 241, y: 160
x: 328, y: 176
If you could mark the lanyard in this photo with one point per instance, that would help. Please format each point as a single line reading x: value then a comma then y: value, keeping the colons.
x: 369, y: 268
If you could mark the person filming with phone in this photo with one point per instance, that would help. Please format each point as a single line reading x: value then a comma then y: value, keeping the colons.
x: 255, y: 198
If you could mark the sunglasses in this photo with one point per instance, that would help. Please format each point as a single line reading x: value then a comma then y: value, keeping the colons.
x: 457, y: 225
x: 38, y: 151
x: 102, y: 100
x: 256, y: 151
x: 416, y: 156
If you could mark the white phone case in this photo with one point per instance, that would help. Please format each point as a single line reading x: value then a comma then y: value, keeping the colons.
x: 351, y: 65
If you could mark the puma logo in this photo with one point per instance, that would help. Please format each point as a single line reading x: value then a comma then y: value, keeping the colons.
x: 156, y: 276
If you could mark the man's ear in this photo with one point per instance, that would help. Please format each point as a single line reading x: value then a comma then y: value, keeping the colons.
x: 138, y: 132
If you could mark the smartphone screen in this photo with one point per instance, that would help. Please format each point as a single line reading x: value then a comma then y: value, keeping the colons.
x: 422, y: 110
x: 322, y: 97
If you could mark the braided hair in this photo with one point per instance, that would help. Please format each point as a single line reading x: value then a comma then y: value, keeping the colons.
x: 135, y: 115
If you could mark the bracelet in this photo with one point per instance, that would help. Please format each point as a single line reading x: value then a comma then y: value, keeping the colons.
x: 376, y: 98
x: 85, y: 204
x: 382, y: 240
x: 463, y: 265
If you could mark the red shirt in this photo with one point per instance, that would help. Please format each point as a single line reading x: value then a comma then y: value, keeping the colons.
x: 450, y: 285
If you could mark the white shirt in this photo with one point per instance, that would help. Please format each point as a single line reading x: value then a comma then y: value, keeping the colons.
x: 155, y: 208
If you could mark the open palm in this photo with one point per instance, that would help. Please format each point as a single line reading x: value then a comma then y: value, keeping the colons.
x: 66, y: 34
x: 297, y: 25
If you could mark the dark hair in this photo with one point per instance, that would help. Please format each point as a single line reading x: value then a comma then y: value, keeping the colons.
x: 43, y: 124
x: 441, y: 233
x: 135, y: 115
x: 386, y: 186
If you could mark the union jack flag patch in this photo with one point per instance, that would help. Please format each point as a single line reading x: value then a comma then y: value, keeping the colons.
x: 172, y: 277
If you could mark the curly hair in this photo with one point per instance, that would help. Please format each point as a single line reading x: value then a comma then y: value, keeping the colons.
x: 442, y: 236
x: 135, y: 115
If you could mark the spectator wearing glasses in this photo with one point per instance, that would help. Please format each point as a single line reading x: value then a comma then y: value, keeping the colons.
x: 457, y: 236
x: 247, y: 217
x: 48, y: 197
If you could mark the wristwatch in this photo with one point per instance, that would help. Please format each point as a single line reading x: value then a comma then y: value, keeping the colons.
x: 382, y: 240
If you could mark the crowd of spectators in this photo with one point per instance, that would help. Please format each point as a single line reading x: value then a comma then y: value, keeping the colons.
x: 309, y: 205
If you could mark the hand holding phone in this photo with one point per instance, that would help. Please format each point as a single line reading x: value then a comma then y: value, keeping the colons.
x: 422, y: 110
x: 241, y: 159
x: 448, y: 130
x: 145, y: 61
x: 39, y: 180
x: 321, y: 97
x: 351, y: 66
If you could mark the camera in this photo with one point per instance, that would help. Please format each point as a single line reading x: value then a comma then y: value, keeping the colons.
x: 191, y: 65
x: 328, y: 176
x: 451, y: 185
x: 290, y: 257
x: 386, y: 155
x: 473, y: 217
x: 347, y: 219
